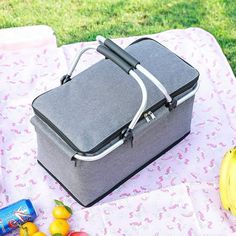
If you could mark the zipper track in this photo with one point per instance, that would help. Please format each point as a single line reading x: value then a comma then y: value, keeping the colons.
x: 118, y: 132
x: 55, y: 129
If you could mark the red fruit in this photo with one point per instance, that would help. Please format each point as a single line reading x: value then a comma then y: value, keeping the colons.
x: 78, y: 234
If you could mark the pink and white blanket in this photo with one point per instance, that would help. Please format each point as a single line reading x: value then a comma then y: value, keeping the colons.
x: 178, y: 194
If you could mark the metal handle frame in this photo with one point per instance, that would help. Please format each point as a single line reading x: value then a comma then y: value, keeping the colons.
x: 142, y: 107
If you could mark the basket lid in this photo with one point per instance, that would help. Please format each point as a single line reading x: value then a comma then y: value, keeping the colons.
x: 93, y: 108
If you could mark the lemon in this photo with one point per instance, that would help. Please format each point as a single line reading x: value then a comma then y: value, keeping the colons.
x: 60, y: 212
x: 28, y: 229
x: 39, y: 234
x: 59, y: 226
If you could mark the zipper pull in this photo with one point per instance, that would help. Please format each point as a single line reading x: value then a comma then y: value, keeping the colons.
x: 146, y: 117
x: 75, y: 161
x: 152, y: 115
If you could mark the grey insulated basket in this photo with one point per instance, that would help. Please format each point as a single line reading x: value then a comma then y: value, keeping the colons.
x: 105, y: 124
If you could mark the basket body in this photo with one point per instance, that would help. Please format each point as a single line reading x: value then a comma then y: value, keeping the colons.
x: 82, y: 117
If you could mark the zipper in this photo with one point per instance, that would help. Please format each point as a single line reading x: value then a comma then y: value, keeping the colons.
x: 147, y: 115
x: 152, y: 115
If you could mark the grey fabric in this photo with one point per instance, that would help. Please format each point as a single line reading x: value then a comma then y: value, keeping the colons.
x: 89, y: 180
x: 102, y: 99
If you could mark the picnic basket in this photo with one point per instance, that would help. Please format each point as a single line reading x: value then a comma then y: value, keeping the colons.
x: 105, y: 124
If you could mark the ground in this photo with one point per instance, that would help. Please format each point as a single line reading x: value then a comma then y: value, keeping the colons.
x: 82, y: 20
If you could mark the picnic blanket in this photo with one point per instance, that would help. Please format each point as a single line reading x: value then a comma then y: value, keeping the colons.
x: 177, y: 194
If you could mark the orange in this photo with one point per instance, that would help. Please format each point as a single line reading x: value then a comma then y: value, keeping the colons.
x: 59, y: 226
x: 39, y: 234
x: 29, y: 228
x: 60, y: 212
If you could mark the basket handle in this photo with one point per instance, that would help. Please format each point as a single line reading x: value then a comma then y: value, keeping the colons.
x: 171, y: 103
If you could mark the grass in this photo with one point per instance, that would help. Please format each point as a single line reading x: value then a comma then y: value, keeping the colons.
x: 82, y: 20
